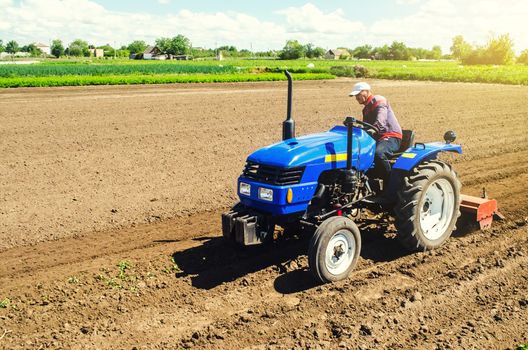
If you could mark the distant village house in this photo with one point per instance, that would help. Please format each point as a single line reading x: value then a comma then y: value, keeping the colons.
x: 44, y: 48
x: 153, y: 53
x: 180, y: 57
x: 97, y: 53
x: 336, y: 54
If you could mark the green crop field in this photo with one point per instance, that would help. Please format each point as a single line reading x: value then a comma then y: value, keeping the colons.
x: 44, y: 69
x: 110, y: 72
x: 408, y: 70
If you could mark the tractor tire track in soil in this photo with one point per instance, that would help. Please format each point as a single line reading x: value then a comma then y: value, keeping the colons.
x: 137, y: 259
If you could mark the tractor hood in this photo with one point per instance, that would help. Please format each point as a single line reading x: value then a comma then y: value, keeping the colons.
x: 310, y: 149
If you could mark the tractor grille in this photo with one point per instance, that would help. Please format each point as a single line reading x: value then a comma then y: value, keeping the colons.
x: 273, y: 175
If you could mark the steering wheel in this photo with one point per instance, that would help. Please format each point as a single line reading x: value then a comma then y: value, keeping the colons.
x: 369, y: 128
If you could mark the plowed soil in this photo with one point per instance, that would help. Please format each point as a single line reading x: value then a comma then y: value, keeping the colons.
x: 110, y: 202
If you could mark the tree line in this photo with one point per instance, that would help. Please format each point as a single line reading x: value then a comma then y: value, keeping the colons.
x: 498, y: 50
x: 396, y: 51
x: 13, y: 47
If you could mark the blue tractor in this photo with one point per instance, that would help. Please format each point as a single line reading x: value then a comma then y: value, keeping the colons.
x: 323, y: 184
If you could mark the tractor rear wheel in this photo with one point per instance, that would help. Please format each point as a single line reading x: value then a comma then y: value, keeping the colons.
x: 334, y: 249
x: 428, y: 206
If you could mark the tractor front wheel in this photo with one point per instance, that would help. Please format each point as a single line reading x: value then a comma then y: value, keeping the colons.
x: 334, y: 249
x: 428, y: 206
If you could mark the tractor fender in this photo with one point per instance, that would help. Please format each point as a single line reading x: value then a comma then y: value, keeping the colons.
x: 421, y: 152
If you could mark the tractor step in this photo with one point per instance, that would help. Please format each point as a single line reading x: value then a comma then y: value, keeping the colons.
x: 483, y: 209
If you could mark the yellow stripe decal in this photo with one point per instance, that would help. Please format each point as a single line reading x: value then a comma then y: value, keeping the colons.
x: 335, y: 157
x: 409, y: 155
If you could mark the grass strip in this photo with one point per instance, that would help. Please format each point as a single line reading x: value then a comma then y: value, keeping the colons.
x: 150, y: 79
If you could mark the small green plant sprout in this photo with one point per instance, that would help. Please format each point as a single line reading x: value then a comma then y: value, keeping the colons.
x: 5, y: 303
x: 123, y: 265
x: 111, y: 282
x: 44, y: 299
x: 523, y: 347
x: 173, y: 268
x: 73, y: 280
x: 123, y: 275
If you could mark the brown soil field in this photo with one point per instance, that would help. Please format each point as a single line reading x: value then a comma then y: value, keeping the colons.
x: 110, y: 237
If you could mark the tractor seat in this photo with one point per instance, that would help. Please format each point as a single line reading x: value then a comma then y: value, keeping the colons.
x: 407, y: 141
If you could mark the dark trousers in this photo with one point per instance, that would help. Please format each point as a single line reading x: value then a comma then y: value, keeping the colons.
x: 384, y: 149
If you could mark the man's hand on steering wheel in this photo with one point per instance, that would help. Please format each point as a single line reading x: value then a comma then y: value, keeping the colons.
x: 371, y: 132
x: 369, y: 128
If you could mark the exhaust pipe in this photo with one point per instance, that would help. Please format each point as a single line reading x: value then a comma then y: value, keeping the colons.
x: 349, y: 123
x: 349, y: 179
x: 288, y: 126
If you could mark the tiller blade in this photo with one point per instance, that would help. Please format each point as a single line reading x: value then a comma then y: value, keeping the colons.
x: 483, y: 208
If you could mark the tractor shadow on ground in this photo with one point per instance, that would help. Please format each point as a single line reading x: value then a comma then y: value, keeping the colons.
x: 466, y: 225
x: 295, y: 281
x: 379, y: 244
x: 376, y: 246
x: 216, y: 261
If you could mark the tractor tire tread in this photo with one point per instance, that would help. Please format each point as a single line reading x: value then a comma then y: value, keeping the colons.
x: 332, y: 225
x: 409, y: 196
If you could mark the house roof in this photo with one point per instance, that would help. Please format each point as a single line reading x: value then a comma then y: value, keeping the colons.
x: 338, y: 52
x: 152, y: 50
x: 41, y: 45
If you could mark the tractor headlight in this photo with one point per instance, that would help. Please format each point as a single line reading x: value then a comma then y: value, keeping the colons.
x: 266, y: 194
x: 244, y: 189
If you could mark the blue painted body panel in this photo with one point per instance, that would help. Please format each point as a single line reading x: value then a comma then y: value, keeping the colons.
x: 302, y: 194
x: 317, y: 153
x: 311, y: 151
x: 417, y: 154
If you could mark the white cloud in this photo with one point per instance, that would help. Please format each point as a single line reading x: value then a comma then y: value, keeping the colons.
x: 44, y: 20
x: 407, y: 2
x: 309, y: 24
x: 434, y: 22
x: 164, y: 2
x: 309, y: 19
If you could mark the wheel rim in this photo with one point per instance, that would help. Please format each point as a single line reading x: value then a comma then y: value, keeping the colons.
x: 340, y: 252
x: 437, y: 209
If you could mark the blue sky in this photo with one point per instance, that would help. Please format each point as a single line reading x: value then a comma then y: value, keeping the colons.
x: 264, y: 25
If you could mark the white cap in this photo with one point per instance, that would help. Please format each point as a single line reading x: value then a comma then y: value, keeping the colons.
x: 359, y: 87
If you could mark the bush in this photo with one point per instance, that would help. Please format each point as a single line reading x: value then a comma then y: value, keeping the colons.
x: 523, y: 58
x: 343, y: 71
x: 477, y: 56
x: 357, y: 71
x: 361, y: 71
x: 497, y: 51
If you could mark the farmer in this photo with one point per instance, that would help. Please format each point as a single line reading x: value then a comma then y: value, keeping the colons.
x: 388, y: 134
